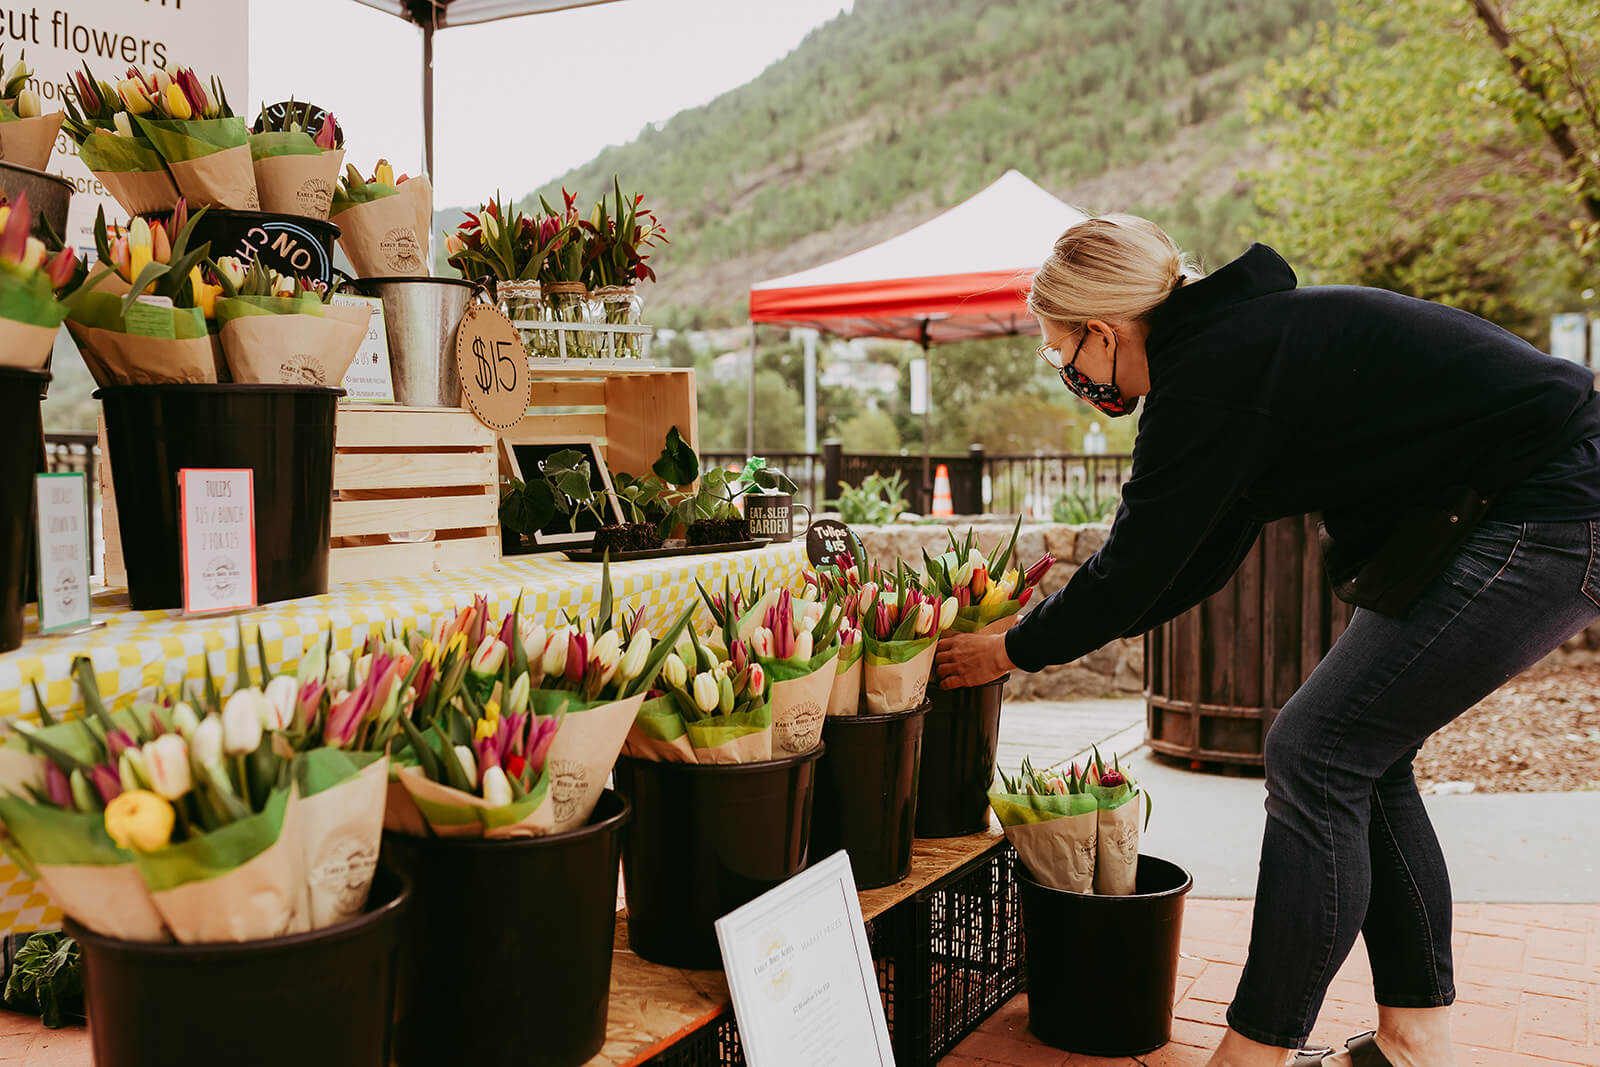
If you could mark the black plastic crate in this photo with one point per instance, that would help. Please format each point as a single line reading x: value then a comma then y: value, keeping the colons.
x: 946, y: 957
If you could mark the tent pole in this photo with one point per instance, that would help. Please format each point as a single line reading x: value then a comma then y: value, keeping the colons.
x: 927, y: 405
x: 427, y: 98
x: 811, y: 390
x: 750, y: 401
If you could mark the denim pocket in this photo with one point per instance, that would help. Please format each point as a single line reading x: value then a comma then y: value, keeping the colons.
x: 1591, y: 576
x: 1485, y: 554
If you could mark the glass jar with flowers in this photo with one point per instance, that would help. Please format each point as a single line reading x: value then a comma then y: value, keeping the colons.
x: 620, y: 234
x: 508, y: 249
x: 563, y: 281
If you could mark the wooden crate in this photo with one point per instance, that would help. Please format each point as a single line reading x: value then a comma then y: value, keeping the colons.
x: 628, y: 411
x: 399, y: 469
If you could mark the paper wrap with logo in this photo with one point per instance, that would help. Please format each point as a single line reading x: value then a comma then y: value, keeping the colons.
x: 799, y: 700
x: 209, y: 159
x: 1117, y: 861
x: 1056, y: 836
x: 341, y: 828
x: 289, y: 340
x: 293, y: 175
x: 845, y: 696
x: 896, y: 674
x: 147, y: 345
x: 585, y: 748
x: 380, y: 235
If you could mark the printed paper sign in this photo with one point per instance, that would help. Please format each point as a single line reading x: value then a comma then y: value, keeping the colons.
x: 800, y: 971
x: 369, y: 376
x: 217, y: 508
x: 63, y: 551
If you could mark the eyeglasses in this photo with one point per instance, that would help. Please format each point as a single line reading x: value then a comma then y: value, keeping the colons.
x: 1052, y: 355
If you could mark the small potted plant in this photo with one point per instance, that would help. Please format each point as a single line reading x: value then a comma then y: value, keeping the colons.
x: 524, y: 509
x: 710, y: 514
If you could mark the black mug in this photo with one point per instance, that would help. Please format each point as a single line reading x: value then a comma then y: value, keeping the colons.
x: 771, y: 515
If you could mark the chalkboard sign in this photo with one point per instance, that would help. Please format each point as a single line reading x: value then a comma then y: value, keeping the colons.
x: 826, y: 538
x: 309, y: 116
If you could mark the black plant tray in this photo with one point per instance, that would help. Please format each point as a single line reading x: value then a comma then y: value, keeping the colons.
x: 589, y: 555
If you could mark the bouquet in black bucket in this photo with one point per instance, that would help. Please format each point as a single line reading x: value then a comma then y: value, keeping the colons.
x: 707, y: 706
x: 125, y: 161
x: 296, y: 167
x: 1075, y: 830
x: 278, y: 329
x: 796, y: 642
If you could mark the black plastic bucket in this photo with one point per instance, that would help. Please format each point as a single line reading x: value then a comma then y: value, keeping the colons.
x: 959, y: 742
x: 705, y: 839
x: 320, y: 999
x: 867, y: 793
x: 283, y: 432
x: 289, y: 244
x: 19, y: 444
x: 507, y: 958
x: 1128, y: 945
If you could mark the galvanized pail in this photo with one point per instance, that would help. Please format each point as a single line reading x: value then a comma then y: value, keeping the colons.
x: 420, y: 315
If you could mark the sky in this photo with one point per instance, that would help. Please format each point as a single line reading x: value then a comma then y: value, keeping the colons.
x: 518, y: 101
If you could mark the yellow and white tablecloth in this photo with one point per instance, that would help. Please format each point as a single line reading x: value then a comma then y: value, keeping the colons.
x: 136, y: 654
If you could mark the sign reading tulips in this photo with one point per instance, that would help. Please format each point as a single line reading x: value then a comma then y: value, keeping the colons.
x: 219, y: 539
x: 493, y: 367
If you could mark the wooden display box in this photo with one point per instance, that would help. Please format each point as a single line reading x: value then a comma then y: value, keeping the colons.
x: 627, y: 410
x: 400, y: 470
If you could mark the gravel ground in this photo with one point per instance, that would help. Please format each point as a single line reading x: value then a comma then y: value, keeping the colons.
x: 1538, y: 733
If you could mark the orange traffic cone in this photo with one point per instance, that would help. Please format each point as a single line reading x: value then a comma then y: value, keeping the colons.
x: 943, y: 506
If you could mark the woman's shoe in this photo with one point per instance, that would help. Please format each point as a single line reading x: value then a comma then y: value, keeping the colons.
x: 1311, y: 1057
x: 1364, y: 1051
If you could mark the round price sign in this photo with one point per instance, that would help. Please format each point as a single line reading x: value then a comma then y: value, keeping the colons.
x: 493, y: 367
x: 825, y: 539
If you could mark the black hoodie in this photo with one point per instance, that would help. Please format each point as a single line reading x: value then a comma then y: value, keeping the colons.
x: 1395, y: 418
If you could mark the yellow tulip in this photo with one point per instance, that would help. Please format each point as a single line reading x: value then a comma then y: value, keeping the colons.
x: 384, y: 175
x: 139, y: 250
x: 28, y: 104
x: 178, y: 104
x: 139, y: 820
x: 486, y: 729
x: 134, y: 96
x: 33, y: 254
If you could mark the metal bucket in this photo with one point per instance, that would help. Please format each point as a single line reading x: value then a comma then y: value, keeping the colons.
x: 420, y: 315
x: 48, y: 196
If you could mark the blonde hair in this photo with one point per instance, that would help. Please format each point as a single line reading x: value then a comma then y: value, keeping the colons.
x: 1117, y: 267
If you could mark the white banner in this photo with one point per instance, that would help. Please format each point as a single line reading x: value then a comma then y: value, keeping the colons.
x: 212, y: 36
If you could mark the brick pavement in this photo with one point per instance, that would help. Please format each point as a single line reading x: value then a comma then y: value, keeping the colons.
x: 1528, y: 993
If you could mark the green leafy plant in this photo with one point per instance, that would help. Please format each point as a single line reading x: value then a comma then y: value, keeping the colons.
x: 526, y: 507
x: 877, y: 501
x: 678, y: 463
x: 46, y: 979
x: 1080, y: 509
x: 717, y: 497
x: 570, y: 476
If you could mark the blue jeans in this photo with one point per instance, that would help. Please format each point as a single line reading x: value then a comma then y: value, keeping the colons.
x: 1348, y: 847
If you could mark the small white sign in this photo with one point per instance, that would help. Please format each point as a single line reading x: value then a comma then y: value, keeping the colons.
x: 800, y: 971
x: 1569, y: 336
x: 63, y: 551
x: 370, y: 377
x: 217, y: 508
x: 919, y: 387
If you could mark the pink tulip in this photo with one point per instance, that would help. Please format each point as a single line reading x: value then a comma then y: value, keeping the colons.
x: 107, y: 783
x: 328, y: 135
x: 577, y: 656
x: 1037, y: 571
x: 57, y: 787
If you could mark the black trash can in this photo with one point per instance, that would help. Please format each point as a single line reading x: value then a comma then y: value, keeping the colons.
x: 705, y: 839
x: 282, y: 432
x: 959, y: 742
x: 867, y: 793
x: 319, y: 999
x: 19, y: 444
x: 1129, y: 945
x: 507, y: 958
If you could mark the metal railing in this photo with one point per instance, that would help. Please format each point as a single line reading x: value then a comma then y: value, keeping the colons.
x: 1031, y: 483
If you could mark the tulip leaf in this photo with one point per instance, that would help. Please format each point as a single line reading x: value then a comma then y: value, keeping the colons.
x: 427, y: 759
x: 998, y: 570
x: 603, y: 619
x: 39, y: 706
x: 658, y: 655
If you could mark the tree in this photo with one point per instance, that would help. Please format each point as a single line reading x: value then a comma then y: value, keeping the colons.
x: 1411, y: 165
x: 870, y: 431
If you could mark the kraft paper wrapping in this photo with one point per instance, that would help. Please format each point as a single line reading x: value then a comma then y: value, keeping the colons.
x: 116, y: 358
x: 292, y: 349
x: 1056, y: 836
x: 845, y: 696
x: 222, y: 179
x: 29, y: 142
x: 657, y: 733
x: 400, y: 812
x: 419, y: 191
x: 749, y: 748
x: 298, y: 184
x: 108, y: 900
x: 265, y: 896
x: 450, y: 812
x: 341, y: 829
x: 800, y: 706
x: 581, y: 757
x: 1117, y: 864
x: 25, y: 345
x: 140, y: 192
x: 889, y: 686
x: 380, y: 238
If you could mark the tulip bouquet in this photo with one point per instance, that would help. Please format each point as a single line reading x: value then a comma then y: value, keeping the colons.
x: 384, y: 221
x: 32, y: 282
x: 842, y: 579
x: 27, y: 135
x: 504, y: 245
x: 901, y: 625
x: 154, y: 330
x: 797, y: 641
x: 124, y: 160
x: 277, y: 329
x: 705, y: 707
x: 205, y: 145
x: 296, y: 167
x: 988, y: 596
x: 1076, y: 830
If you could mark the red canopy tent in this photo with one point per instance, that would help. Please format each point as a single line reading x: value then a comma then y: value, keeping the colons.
x: 962, y: 275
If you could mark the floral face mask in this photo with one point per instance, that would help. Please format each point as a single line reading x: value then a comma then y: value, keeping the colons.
x: 1105, y: 397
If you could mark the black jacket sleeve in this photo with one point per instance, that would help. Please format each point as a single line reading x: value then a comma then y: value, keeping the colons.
x: 1177, y: 536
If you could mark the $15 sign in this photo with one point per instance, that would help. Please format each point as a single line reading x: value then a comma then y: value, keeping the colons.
x: 492, y: 366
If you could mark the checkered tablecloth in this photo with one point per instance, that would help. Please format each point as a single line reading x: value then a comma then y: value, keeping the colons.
x: 138, y: 653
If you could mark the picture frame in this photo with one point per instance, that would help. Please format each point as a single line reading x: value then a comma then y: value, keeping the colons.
x: 519, y: 457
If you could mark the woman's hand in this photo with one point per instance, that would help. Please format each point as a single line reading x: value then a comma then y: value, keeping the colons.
x: 971, y: 659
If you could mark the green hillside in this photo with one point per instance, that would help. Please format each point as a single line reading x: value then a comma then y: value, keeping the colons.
x: 887, y: 114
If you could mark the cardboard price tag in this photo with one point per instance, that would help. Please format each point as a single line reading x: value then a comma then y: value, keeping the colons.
x: 63, y: 540
x: 493, y: 367
x: 217, y: 509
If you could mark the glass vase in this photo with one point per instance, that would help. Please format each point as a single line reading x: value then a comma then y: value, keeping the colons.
x: 617, y: 305
x: 567, y: 302
x: 522, y: 301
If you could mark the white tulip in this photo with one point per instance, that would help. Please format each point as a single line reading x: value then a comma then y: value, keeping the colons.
x: 496, y: 788
x: 241, y: 722
x: 277, y: 710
